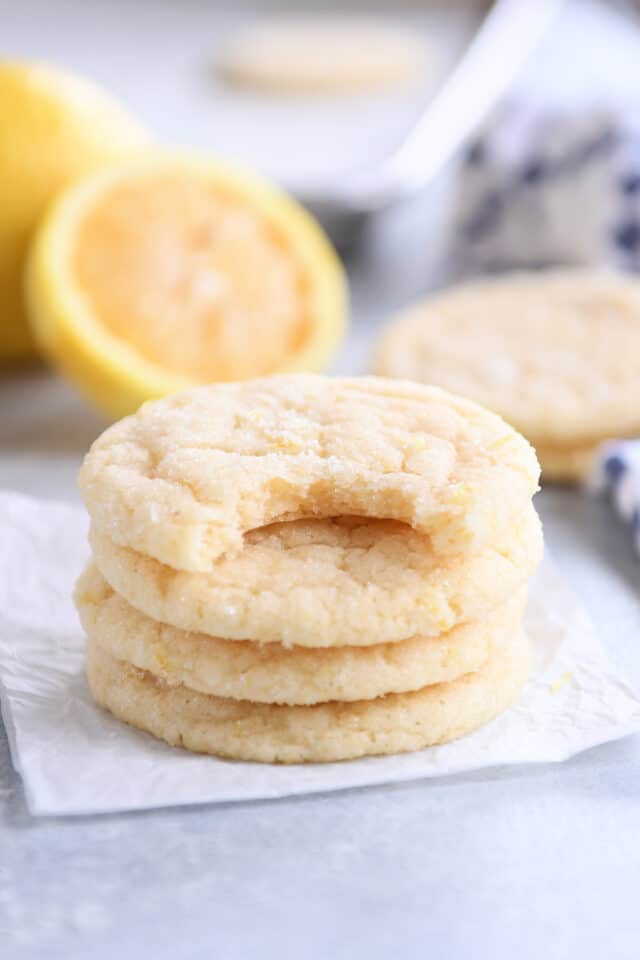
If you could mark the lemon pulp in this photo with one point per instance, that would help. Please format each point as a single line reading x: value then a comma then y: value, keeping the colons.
x: 191, y: 277
x: 173, y: 269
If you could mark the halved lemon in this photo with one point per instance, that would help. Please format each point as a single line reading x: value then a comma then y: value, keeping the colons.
x: 177, y: 269
x: 54, y: 126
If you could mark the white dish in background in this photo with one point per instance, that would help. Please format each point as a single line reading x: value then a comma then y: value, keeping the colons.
x: 161, y: 59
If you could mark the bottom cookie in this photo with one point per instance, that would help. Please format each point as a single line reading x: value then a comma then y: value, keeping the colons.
x: 566, y: 464
x: 267, y: 733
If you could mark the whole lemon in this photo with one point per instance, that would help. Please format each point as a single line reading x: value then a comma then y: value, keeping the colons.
x: 54, y: 127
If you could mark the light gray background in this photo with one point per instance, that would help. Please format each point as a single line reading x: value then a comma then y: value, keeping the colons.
x: 531, y: 863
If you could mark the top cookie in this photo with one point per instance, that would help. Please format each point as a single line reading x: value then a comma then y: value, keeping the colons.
x: 187, y: 476
x: 554, y: 353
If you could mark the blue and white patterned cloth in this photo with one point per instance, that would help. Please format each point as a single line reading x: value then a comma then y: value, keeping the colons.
x: 541, y: 188
x: 617, y: 474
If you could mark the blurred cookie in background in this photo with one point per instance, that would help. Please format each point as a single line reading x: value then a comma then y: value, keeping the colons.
x: 326, y: 54
x: 555, y: 353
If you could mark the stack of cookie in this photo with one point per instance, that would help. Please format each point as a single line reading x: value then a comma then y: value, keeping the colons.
x: 302, y: 568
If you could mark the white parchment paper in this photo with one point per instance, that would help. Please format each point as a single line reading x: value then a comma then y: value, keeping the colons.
x: 74, y: 758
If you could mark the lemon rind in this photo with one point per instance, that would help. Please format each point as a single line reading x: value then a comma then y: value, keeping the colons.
x: 108, y: 369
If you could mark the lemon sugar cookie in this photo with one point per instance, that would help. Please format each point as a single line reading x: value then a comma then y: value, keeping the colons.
x: 325, y: 54
x: 272, y: 673
x: 186, y: 477
x: 554, y: 353
x: 568, y: 464
x: 325, y: 732
x: 322, y: 583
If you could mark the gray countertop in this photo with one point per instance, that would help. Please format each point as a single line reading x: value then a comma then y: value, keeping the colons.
x: 533, y: 863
